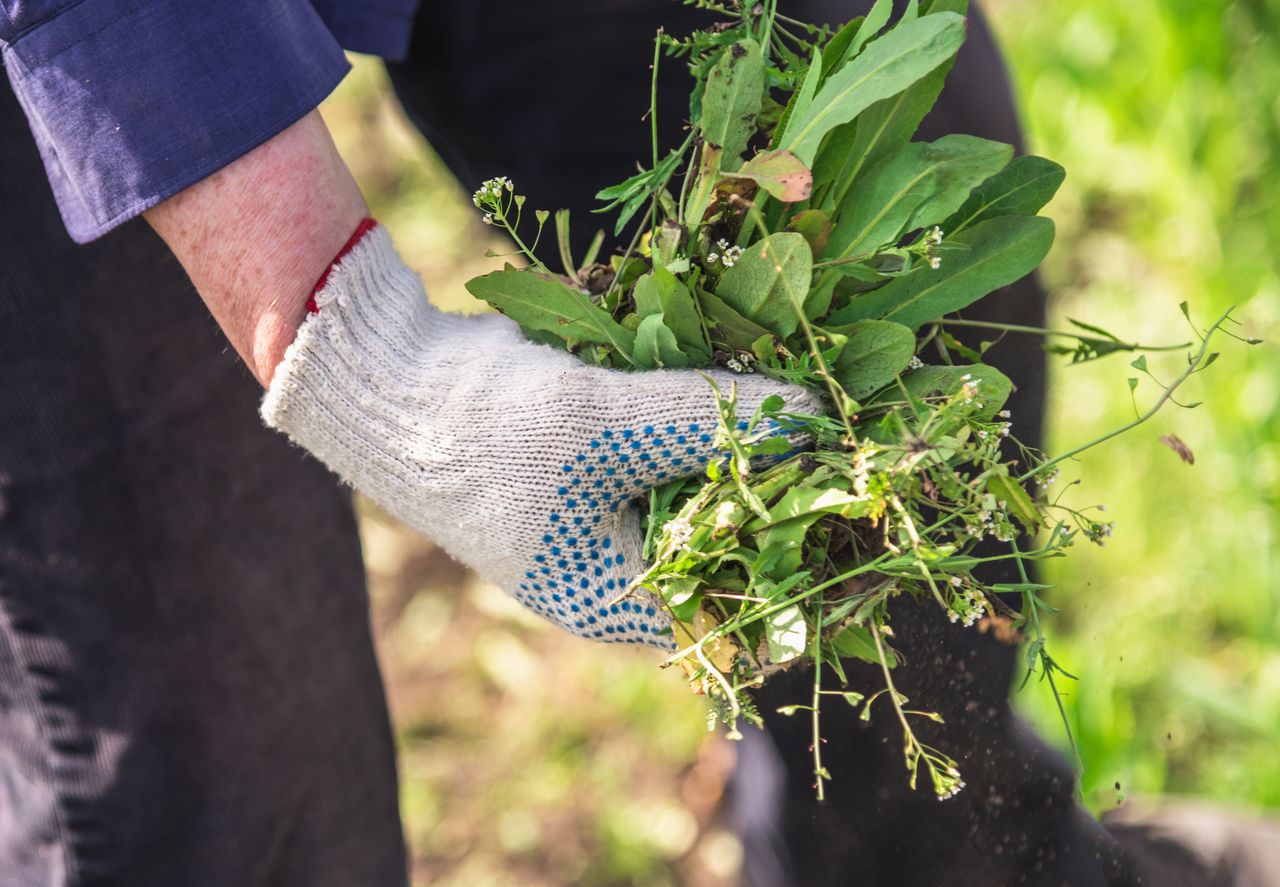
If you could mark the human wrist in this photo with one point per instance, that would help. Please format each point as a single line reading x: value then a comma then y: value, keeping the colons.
x: 255, y: 236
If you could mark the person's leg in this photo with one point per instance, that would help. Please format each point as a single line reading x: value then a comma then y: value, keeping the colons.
x: 188, y: 692
x: 552, y: 94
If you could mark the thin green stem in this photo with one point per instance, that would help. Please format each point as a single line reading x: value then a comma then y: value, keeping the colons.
x: 1065, y: 334
x: 1164, y: 398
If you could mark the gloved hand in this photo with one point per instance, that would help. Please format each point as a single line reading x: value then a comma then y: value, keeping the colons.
x: 520, y: 460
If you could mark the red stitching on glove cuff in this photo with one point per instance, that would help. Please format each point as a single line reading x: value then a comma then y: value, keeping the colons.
x: 366, y: 225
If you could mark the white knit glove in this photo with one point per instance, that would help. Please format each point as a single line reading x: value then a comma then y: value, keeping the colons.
x: 520, y: 460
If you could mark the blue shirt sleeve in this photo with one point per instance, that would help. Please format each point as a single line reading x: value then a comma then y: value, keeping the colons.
x: 131, y: 101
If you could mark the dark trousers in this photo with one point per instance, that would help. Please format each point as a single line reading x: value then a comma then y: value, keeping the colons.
x: 188, y: 694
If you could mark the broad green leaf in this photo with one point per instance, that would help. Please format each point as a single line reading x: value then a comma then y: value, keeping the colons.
x: 656, y: 345
x: 735, y: 88
x: 1015, y: 498
x: 661, y: 292
x: 855, y: 641
x: 814, y: 226
x: 542, y: 303
x: 769, y: 281
x: 875, y: 353
x: 780, y: 173
x: 994, y: 386
x: 1020, y: 189
x: 787, y: 634
x: 886, y: 67
x: 878, y: 131
x: 964, y: 162
x: 999, y: 252
x: 727, y: 326
x: 919, y: 184
x: 876, y: 19
x: 958, y: 6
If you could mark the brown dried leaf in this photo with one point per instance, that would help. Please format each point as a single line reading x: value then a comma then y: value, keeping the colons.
x: 1175, y: 443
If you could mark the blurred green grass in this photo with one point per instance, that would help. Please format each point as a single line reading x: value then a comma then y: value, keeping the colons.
x: 1165, y: 114
x: 532, y: 758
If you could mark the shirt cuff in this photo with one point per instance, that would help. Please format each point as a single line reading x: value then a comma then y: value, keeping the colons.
x: 131, y: 102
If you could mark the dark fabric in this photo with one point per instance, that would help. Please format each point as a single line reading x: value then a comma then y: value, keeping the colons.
x: 188, y: 693
x: 560, y: 112
x: 133, y: 100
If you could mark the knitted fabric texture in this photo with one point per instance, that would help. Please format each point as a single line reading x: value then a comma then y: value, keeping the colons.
x: 518, y: 459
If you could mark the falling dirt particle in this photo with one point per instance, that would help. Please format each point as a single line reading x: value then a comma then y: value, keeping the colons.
x: 1117, y: 785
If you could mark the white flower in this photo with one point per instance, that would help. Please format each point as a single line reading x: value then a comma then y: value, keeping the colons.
x: 680, y: 531
x: 935, y: 263
x: 935, y: 236
x: 915, y: 363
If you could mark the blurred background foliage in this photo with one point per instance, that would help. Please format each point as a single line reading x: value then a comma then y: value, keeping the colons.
x: 532, y: 758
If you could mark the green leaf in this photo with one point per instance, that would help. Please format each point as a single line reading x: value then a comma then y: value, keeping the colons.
x: 656, y: 345
x: 780, y: 173
x: 876, y: 19
x: 855, y: 641
x: 875, y: 353
x: 994, y: 386
x: 799, y: 502
x: 633, y: 193
x: 787, y: 634
x: 878, y: 131
x: 735, y: 88
x: 814, y: 226
x: 1000, y: 251
x: 661, y: 292
x: 728, y: 327
x: 918, y: 185
x: 543, y: 303
x: 886, y: 67
x: 802, y: 97
x: 836, y: 52
x: 1015, y: 498
x: 1020, y: 189
x: 769, y: 281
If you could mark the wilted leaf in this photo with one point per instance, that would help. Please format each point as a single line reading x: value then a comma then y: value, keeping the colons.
x: 875, y: 353
x: 787, y: 635
x: 543, y: 303
x: 769, y: 280
x: 887, y: 66
x: 1000, y: 251
x: 1020, y: 189
x: 814, y: 226
x: 780, y: 173
x: 731, y: 102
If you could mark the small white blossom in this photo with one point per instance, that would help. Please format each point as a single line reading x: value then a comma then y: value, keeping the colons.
x: 680, y: 531
x: 935, y: 236
x: 915, y: 363
x: 935, y: 262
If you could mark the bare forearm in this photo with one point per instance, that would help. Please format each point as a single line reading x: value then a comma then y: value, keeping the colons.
x: 255, y: 236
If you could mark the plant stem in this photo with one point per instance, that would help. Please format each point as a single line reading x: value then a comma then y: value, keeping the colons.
x: 1164, y: 398
x: 819, y: 773
x: 1065, y: 334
